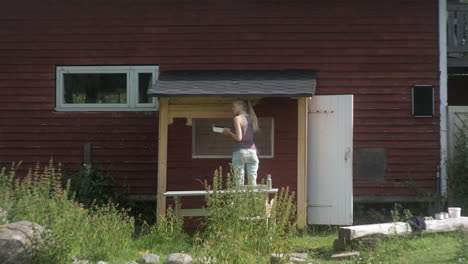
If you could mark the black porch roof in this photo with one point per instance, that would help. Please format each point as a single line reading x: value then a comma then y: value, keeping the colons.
x: 235, y: 83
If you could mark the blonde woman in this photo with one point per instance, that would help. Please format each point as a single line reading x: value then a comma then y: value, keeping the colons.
x: 244, y: 157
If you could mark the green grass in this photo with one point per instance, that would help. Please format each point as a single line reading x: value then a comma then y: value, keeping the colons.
x: 428, y: 248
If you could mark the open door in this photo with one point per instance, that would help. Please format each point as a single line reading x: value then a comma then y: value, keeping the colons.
x: 330, y: 160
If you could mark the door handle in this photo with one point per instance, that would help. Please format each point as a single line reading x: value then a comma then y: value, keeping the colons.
x: 347, y: 152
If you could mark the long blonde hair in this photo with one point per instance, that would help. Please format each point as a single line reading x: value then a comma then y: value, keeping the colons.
x: 247, y: 106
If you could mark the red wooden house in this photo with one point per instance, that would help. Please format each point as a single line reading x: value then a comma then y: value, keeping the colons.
x: 77, y: 73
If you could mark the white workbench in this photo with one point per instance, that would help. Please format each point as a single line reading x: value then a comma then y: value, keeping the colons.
x: 177, y: 196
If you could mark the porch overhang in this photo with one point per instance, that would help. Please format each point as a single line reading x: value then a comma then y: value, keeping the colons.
x: 234, y: 83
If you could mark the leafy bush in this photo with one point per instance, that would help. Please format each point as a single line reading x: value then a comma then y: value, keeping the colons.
x: 94, y: 185
x: 383, y: 213
x: 400, y: 214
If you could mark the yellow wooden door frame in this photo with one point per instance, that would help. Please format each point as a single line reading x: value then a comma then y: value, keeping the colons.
x: 162, y: 156
x: 302, y: 111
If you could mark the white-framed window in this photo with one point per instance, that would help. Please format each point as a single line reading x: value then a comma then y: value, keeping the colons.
x: 207, y: 144
x: 105, y: 88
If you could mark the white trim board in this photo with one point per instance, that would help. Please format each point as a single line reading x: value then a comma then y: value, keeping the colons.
x: 443, y: 93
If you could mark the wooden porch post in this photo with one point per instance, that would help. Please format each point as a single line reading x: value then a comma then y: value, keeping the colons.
x: 302, y: 162
x: 162, y: 156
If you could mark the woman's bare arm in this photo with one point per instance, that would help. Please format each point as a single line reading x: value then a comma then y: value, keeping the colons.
x: 237, y: 126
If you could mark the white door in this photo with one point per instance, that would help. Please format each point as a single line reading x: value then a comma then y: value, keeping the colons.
x: 330, y: 160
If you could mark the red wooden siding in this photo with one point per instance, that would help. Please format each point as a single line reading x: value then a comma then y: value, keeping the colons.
x: 375, y: 50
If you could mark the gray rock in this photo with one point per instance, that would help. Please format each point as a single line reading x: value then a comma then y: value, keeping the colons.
x: 101, y: 262
x: 178, y: 258
x: 288, y: 258
x: 149, y: 258
x: 80, y: 261
x: 17, y: 240
x: 132, y: 262
x: 298, y: 255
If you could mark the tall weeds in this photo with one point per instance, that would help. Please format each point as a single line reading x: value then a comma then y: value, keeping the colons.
x: 167, y: 235
x: 240, y: 228
x: 93, y: 234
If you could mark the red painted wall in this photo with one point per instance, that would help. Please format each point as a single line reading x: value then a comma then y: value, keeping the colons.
x: 375, y: 50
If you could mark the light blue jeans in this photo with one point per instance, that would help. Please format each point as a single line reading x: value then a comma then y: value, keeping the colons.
x: 245, y: 160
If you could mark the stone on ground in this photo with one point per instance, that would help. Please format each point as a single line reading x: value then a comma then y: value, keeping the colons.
x: 17, y: 240
x: 178, y: 258
x: 288, y: 258
x: 101, y: 262
x: 298, y: 255
x: 80, y: 261
x: 149, y: 258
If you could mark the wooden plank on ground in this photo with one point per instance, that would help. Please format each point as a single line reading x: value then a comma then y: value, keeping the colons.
x: 353, y: 232
x: 346, y: 255
x: 400, y: 228
x: 446, y: 225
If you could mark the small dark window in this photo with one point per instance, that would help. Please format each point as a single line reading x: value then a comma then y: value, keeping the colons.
x: 371, y: 163
x: 423, y: 100
x: 144, y: 82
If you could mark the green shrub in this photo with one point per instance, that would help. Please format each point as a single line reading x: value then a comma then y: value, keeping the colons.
x: 383, y: 213
x: 94, y: 185
x: 400, y: 214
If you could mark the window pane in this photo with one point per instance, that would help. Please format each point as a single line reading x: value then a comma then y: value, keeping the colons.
x: 371, y: 163
x: 144, y: 82
x: 92, y: 88
x: 208, y: 143
x: 423, y: 100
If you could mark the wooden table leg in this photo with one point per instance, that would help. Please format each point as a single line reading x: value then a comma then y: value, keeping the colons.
x: 177, y: 208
